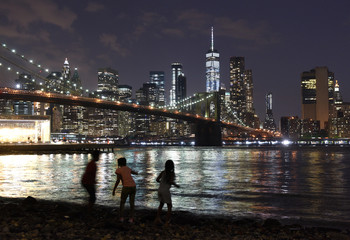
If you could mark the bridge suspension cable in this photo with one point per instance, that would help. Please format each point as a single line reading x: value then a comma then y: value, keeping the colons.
x: 182, y: 103
x: 23, y: 68
x: 234, y: 114
x: 27, y: 70
x: 30, y: 61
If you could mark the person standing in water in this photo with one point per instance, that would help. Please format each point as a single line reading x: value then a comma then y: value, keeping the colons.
x: 89, y: 178
x: 166, y: 178
x: 129, y: 188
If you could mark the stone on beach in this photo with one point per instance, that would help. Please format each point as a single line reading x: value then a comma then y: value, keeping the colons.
x: 39, y: 219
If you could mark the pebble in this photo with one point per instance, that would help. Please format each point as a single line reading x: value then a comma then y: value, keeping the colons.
x: 35, y: 219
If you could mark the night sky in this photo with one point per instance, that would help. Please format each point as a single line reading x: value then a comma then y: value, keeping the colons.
x: 279, y: 40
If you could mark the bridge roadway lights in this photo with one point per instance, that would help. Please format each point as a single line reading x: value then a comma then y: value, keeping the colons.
x: 208, y: 134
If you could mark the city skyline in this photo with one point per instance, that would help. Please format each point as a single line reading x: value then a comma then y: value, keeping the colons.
x: 279, y: 41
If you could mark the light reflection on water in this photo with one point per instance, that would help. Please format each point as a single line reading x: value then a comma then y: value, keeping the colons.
x: 240, y: 182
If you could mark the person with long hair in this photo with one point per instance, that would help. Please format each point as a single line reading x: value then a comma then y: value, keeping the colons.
x: 166, y: 179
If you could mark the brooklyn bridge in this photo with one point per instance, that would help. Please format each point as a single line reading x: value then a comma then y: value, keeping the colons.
x: 203, y: 110
x: 208, y: 130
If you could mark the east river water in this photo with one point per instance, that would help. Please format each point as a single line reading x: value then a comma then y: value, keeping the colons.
x: 303, y: 184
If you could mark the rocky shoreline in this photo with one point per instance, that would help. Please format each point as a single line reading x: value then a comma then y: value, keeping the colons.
x: 38, y: 219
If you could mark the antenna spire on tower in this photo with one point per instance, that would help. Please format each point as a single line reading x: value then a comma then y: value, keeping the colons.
x: 212, y: 39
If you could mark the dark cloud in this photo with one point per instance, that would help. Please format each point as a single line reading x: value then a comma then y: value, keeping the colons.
x: 11, y: 31
x: 111, y: 41
x: 104, y: 58
x: 23, y: 13
x: 148, y: 21
x: 194, y: 20
x: 94, y: 7
x: 257, y: 32
x: 173, y: 32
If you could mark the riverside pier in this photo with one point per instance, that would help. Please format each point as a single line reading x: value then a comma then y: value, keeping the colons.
x: 48, y: 148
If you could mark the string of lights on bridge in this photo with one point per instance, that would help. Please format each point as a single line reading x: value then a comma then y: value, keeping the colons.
x: 31, y: 62
x: 8, y: 68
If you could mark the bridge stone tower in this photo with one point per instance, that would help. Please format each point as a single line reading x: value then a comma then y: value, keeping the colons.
x: 206, y: 105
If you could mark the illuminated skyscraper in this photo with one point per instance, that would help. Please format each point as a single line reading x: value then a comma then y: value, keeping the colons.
x: 290, y: 127
x: 269, y: 122
x: 125, y: 119
x: 66, y: 75
x: 317, y: 90
x: 73, y: 120
x: 248, y: 83
x: 66, y: 70
x: 237, y: 89
x: 149, y: 94
x: 76, y: 86
x: 339, y: 116
x: 55, y: 83
x: 337, y: 95
x: 157, y: 77
x: 178, y: 83
x: 241, y: 92
x: 107, y: 85
x: 181, y: 88
x: 61, y: 82
x: 212, y: 65
x: 268, y: 102
x: 104, y: 122
x: 124, y: 92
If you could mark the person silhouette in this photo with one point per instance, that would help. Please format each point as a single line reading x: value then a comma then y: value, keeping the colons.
x: 129, y: 188
x: 89, y: 178
x: 166, y: 179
